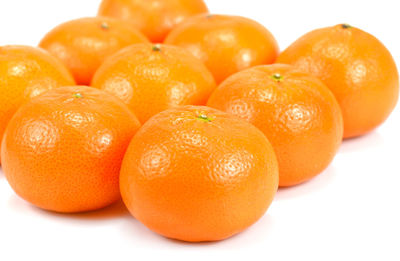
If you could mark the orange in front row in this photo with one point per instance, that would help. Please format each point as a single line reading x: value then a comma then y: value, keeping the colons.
x: 62, y: 151
x: 194, y: 173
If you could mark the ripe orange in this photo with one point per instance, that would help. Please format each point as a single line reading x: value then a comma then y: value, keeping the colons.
x: 83, y: 44
x: 62, y: 151
x: 197, y: 174
x: 357, y: 68
x: 227, y: 44
x: 153, y: 78
x: 26, y: 72
x: 155, y: 18
x: 296, y: 111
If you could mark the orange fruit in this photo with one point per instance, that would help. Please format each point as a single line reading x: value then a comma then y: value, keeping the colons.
x: 155, y: 18
x: 357, y: 68
x: 193, y: 173
x: 26, y: 72
x: 62, y: 151
x: 295, y: 110
x: 83, y: 44
x: 226, y: 44
x: 153, y: 78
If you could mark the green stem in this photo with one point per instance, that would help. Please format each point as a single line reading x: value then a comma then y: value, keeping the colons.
x: 156, y: 48
x: 346, y: 26
x: 104, y: 26
x: 204, y: 117
x: 277, y: 77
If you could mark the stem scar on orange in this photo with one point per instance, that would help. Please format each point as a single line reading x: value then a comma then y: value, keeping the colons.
x: 197, y: 174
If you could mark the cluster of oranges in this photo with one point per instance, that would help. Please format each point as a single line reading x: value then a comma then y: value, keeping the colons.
x: 195, y: 119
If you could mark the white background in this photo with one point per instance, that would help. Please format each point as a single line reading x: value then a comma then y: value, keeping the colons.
x: 350, y: 212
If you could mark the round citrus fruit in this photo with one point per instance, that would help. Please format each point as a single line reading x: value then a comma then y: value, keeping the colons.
x: 226, y: 44
x: 357, y: 68
x: 155, y: 18
x: 62, y: 151
x: 83, y: 44
x: 26, y: 72
x: 153, y: 78
x: 193, y: 173
x: 296, y: 111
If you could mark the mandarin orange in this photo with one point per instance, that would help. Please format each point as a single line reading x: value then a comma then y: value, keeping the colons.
x: 62, y: 151
x: 197, y: 174
x: 152, y: 78
x: 26, y: 72
x: 295, y: 110
x: 357, y: 68
x: 83, y: 44
x: 226, y: 44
